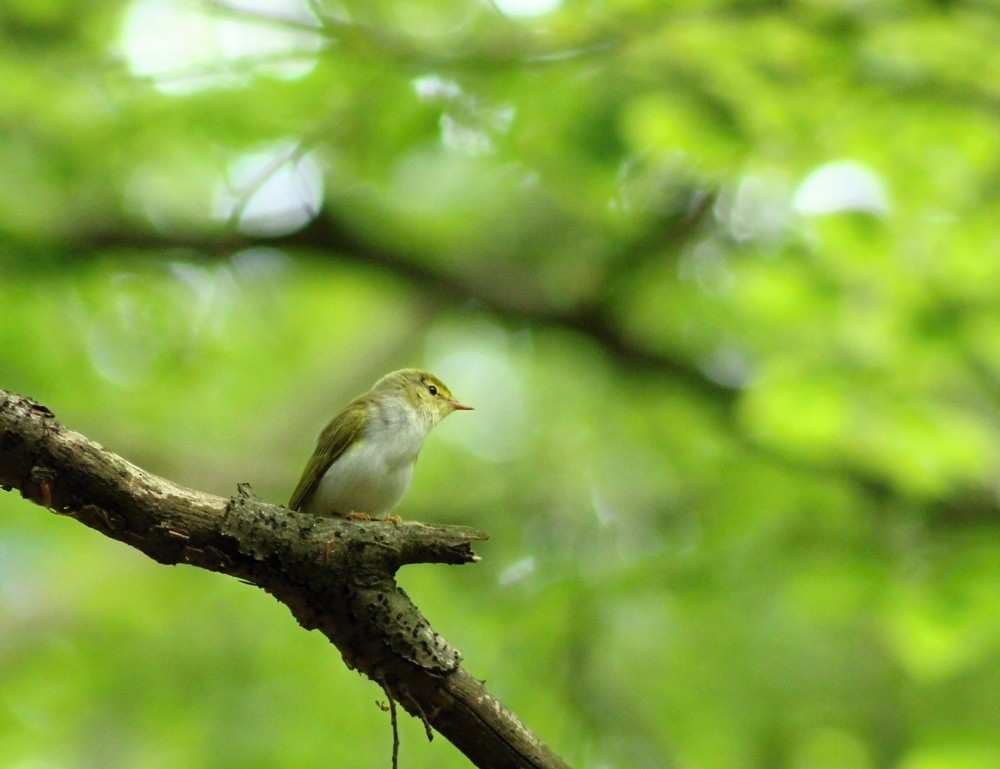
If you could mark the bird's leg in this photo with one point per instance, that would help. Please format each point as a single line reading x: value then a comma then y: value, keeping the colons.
x: 354, y: 515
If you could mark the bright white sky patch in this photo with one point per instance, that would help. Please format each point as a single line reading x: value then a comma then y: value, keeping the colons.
x: 185, y: 47
x: 436, y: 87
x: 523, y: 8
x: 839, y: 187
x: 271, y: 191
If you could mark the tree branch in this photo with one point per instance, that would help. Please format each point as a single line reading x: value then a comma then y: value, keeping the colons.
x: 333, y: 239
x: 334, y: 575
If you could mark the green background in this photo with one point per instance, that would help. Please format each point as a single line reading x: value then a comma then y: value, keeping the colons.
x: 721, y: 279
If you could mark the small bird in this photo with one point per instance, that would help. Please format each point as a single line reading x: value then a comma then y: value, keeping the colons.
x: 364, y: 457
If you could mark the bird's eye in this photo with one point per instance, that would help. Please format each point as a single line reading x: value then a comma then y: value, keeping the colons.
x: 432, y: 389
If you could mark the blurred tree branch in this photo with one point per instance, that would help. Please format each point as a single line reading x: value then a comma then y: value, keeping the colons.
x: 337, y: 240
x: 335, y: 576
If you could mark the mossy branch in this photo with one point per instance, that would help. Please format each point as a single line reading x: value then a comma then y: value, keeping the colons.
x: 335, y: 576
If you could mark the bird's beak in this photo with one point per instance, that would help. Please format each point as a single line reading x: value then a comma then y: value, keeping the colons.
x: 456, y: 406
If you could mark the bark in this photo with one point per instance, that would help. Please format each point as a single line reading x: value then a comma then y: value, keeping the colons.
x: 335, y: 576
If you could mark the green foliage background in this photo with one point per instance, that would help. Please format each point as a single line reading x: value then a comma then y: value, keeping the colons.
x: 721, y: 278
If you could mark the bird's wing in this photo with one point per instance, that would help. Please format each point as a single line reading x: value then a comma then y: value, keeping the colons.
x: 339, y: 433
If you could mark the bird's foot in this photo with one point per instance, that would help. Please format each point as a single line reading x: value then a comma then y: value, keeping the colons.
x: 395, y: 520
x: 354, y: 515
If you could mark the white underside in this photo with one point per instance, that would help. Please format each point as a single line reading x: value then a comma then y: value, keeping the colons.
x: 373, y: 474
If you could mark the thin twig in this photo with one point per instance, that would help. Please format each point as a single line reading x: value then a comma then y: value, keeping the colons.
x: 395, y: 727
x: 423, y: 717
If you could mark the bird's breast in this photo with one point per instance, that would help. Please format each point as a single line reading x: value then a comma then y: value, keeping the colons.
x: 369, y: 477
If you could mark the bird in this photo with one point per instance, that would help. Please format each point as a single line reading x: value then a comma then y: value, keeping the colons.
x: 364, y: 458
